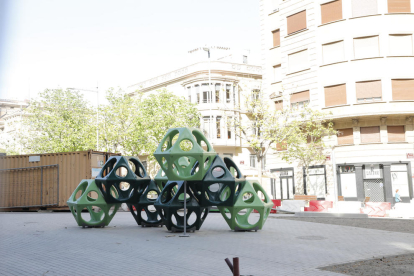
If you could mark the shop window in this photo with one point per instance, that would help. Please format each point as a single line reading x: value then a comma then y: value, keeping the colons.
x: 333, y: 52
x: 364, y: 7
x: 299, y: 100
x: 366, y: 47
x: 399, y: 180
x: 401, y: 45
x: 396, y: 133
x: 368, y: 91
x: 370, y: 134
x: 395, y: 6
x: 331, y: 11
x: 348, y: 181
x: 276, y: 38
x: 403, y: 89
x: 345, y: 136
x: 298, y: 61
x: 296, y: 22
x: 335, y: 95
x: 317, y: 179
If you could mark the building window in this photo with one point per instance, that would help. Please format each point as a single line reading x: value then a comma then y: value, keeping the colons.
x: 370, y: 134
x: 345, y: 136
x: 333, y: 52
x: 401, y: 45
x: 298, y: 61
x: 217, y: 86
x: 299, y: 100
x: 279, y: 105
x: 245, y: 59
x: 395, y: 6
x: 228, y: 88
x: 396, y: 133
x: 366, y: 47
x: 281, y: 146
x: 403, y: 89
x: 218, y: 126
x: 197, y: 89
x: 206, y: 93
x: 229, y: 123
x: 364, y: 7
x: 255, y: 94
x: 368, y: 91
x: 206, y: 126
x: 335, y: 95
x: 331, y: 11
x: 277, y: 73
x: 296, y: 22
x: 253, y: 160
x: 276, y: 38
x: 189, y: 93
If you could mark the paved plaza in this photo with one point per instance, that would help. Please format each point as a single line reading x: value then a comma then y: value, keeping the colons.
x: 52, y: 244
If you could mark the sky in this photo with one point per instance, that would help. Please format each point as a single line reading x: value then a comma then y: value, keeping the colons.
x: 87, y: 44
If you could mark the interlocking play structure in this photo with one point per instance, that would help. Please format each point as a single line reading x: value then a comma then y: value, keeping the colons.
x: 191, y: 175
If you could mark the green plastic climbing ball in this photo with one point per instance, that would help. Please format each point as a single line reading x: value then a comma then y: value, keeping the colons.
x: 88, y: 205
x: 240, y: 217
x: 184, y: 154
x: 122, y: 180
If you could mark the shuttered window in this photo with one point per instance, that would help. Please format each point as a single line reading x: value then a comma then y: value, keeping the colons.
x: 279, y: 105
x: 368, y: 91
x: 281, y: 146
x: 331, y: 11
x: 403, y: 89
x: 333, y: 52
x: 399, y: 6
x: 335, y: 95
x: 299, y: 100
x: 366, y: 47
x: 345, y: 136
x: 276, y: 38
x: 364, y: 7
x: 370, y: 134
x: 401, y: 45
x: 296, y: 22
x: 396, y: 134
x: 298, y: 61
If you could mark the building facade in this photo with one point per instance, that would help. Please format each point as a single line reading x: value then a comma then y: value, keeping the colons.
x: 355, y: 60
x: 231, y: 78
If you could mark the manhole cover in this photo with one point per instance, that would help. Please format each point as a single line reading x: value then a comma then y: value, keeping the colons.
x: 311, y: 238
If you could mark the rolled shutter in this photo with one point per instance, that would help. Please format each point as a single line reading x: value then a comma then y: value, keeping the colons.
x: 370, y: 134
x: 296, y: 22
x: 335, y: 95
x: 300, y: 97
x: 279, y: 105
x: 368, y: 89
x: 345, y: 136
x: 399, y: 6
x: 276, y: 38
x: 331, y: 11
x: 403, y: 89
x: 396, y: 133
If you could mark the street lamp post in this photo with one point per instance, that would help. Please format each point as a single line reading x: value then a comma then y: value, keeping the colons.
x: 207, y: 49
x: 97, y: 110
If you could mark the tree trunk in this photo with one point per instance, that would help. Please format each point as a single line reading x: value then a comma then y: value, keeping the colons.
x: 307, y: 177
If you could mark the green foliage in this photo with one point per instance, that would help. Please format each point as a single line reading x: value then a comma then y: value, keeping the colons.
x: 59, y: 121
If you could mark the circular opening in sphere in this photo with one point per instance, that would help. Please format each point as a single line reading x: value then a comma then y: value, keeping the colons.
x: 121, y: 172
x: 186, y: 145
x: 218, y: 172
x: 152, y: 195
x: 124, y: 186
x: 248, y: 197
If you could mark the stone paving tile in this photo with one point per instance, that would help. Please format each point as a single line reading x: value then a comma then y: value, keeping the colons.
x: 52, y: 244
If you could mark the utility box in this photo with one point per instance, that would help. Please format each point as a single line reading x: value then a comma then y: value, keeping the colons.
x: 45, y: 180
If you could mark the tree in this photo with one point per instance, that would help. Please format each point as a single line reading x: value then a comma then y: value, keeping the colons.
x: 159, y: 112
x: 263, y: 127
x: 306, y: 144
x: 58, y: 121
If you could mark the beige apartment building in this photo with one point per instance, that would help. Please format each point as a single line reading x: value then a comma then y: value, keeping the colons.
x: 355, y: 60
x: 232, y: 76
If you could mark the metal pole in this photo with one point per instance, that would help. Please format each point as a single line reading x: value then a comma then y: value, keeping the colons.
x: 211, y: 95
x: 97, y: 118
x: 185, y: 211
x: 335, y: 179
x: 236, y: 267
